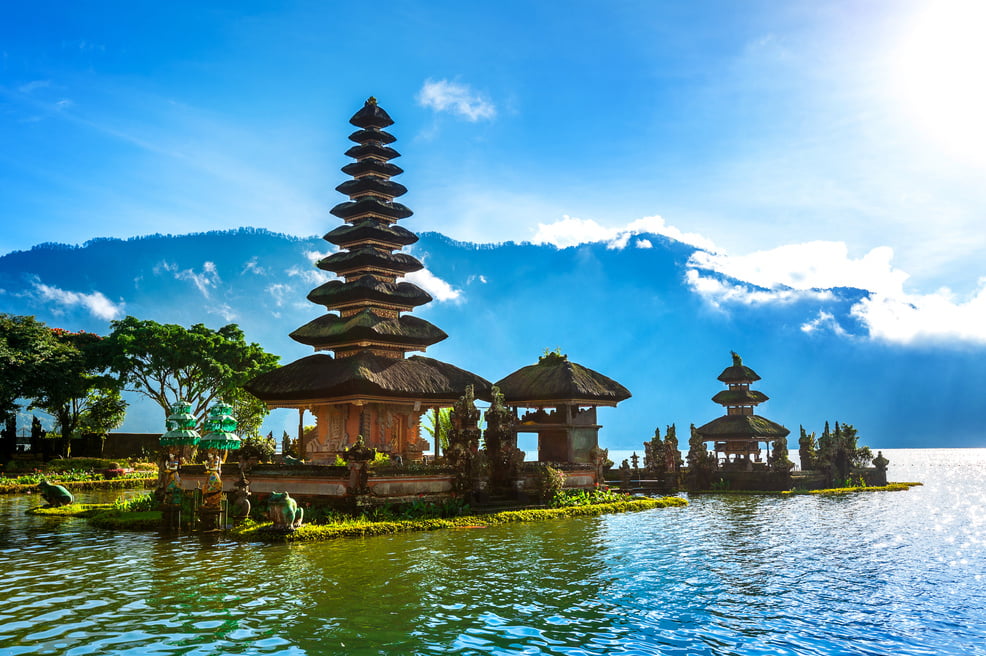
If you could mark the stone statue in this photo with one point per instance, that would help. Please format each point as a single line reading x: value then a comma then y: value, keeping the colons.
x: 357, y: 458
x: 284, y: 511
x: 625, y: 474
x: 505, y: 459
x: 239, y: 505
x: 55, y: 495
x: 463, y: 438
x: 655, y: 461
x: 212, y: 491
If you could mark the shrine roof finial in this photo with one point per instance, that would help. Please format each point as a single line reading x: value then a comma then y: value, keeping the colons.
x: 737, y: 360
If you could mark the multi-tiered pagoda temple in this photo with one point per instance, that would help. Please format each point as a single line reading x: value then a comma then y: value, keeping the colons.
x: 737, y: 436
x: 369, y: 387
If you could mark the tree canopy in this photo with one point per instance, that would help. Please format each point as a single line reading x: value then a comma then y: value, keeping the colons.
x: 72, y: 386
x: 168, y: 362
x: 25, y: 345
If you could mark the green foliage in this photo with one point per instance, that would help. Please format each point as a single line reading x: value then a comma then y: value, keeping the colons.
x: 89, y: 481
x: 168, y: 362
x: 105, y: 410
x: 71, y: 510
x: 548, y: 482
x: 139, y: 503
x: 380, y: 458
x: 26, y: 345
x: 601, y: 494
x: 361, y: 527
x: 720, y: 486
x: 439, y: 424
x: 72, y: 386
x: 260, y: 446
x: 119, y: 520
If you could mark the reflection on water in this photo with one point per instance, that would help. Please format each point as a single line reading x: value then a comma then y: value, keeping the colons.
x: 892, y: 573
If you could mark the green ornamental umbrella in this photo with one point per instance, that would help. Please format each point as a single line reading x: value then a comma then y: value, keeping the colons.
x: 181, y: 426
x: 220, y: 426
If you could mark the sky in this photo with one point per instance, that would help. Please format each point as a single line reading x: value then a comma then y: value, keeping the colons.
x: 801, y: 145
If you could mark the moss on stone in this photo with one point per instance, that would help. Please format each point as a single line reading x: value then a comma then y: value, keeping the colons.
x: 118, y: 520
x: 71, y: 510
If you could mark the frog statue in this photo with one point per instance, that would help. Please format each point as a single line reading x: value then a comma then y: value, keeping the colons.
x: 55, y: 495
x: 284, y: 511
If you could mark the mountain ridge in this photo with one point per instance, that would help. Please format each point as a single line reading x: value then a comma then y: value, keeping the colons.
x: 627, y: 312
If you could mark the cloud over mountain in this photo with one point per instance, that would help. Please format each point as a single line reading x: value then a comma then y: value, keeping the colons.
x: 660, y: 319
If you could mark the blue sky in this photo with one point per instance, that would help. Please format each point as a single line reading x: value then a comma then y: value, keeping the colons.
x: 804, y: 145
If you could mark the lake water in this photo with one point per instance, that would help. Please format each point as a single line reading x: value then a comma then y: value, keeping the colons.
x: 895, y: 573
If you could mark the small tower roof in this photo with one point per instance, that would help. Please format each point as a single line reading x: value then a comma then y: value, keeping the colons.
x: 371, y: 116
x: 738, y: 373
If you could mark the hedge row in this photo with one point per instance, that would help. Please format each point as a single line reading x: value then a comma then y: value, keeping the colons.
x: 110, y: 484
x: 363, y: 528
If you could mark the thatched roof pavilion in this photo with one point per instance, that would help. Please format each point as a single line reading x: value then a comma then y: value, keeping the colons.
x: 568, y: 432
x: 369, y: 386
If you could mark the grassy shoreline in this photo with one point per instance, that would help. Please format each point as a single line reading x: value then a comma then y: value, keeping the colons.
x: 365, y: 528
x: 106, y: 484
x: 107, y: 516
x: 835, y: 491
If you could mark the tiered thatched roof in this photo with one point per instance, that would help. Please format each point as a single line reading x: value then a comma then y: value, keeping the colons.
x: 742, y: 426
x: 554, y: 379
x: 322, y: 377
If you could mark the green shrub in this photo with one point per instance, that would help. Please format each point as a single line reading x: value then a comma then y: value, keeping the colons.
x: 139, y: 503
x: 548, y: 482
x: 600, y: 494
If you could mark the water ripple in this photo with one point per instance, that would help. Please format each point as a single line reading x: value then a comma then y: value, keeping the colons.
x: 871, y: 574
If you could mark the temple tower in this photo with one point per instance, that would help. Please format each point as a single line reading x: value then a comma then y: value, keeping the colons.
x: 369, y: 387
x: 737, y: 436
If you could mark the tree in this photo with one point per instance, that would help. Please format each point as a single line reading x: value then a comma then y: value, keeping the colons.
x: 105, y: 411
x: 440, y: 423
x: 25, y: 344
x: 167, y: 363
x: 71, y: 385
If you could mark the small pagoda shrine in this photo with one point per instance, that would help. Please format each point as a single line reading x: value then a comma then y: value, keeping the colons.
x: 561, y: 398
x: 736, y: 437
x: 370, y: 387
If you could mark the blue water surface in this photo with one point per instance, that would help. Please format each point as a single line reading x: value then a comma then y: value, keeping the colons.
x: 875, y: 574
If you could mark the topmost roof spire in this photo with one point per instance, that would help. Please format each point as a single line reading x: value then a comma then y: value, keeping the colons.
x: 371, y: 116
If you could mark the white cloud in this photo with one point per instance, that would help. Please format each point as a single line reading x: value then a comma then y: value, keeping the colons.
x: 438, y: 288
x: 224, y: 310
x: 643, y: 243
x: 718, y: 292
x: 912, y: 318
x: 279, y: 292
x: 825, y: 321
x: 208, y: 278
x: 96, y: 303
x: 310, y: 276
x: 570, y: 231
x: 812, y: 265
x: 810, y: 270
x: 254, y: 267
x: 455, y: 98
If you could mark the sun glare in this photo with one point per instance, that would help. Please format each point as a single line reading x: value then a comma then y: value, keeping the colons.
x: 938, y: 75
